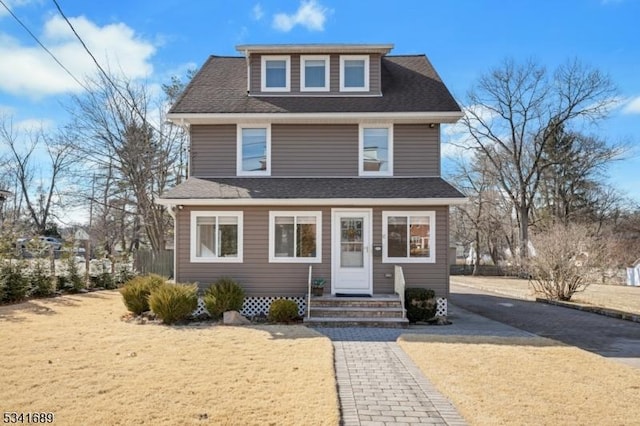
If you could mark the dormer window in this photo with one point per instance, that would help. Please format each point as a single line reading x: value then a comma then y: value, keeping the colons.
x: 276, y: 75
x: 354, y: 73
x: 314, y: 73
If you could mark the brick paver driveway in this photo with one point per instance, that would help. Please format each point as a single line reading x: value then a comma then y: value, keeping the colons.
x: 610, y: 337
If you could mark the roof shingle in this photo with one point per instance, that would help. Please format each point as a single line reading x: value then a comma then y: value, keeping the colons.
x: 312, y: 188
x: 409, y: 84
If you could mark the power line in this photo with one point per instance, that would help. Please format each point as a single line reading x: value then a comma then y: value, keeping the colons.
x: 133, y: 106
x: 42, y: 45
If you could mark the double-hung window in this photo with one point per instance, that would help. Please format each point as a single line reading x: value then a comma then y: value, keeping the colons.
x: 354, y: 73
x: 314, y: 73
x: 253, y: 150
x: 276, y: 73
x: 376, y: 150
x: 216, y: 236
x: 295, y: 236
x: 408, y: 237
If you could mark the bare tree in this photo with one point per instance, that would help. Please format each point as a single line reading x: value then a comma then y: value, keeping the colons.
x: 514, y: 111
x: 39, y: 196
x: 130, y: 152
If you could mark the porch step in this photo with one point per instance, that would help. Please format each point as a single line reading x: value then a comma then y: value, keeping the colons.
x: 384, y: 310
x: 356, y: 322
x: 357, y: 312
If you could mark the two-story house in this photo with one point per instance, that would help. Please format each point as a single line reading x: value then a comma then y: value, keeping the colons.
x: 323, y: 154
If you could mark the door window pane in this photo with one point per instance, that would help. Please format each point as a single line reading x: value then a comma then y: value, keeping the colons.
x: 351, y: 244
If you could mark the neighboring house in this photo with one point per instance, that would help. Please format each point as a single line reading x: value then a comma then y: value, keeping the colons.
x: 325, y: 155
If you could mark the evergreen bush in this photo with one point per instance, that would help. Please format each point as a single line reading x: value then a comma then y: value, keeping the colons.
x: 14, y: 284
x: 174, y: 302
x: 135, y: 293
x: 222, y: 296
x: 421, y: 304
x: 283, y: 310
x: 42, y: 284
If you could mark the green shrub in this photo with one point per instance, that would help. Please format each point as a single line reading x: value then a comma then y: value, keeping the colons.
x: 42, y: 284
x: 224, y: 295
x: 135, y: 293
x: 420, y: 303
x: 174, y: 302
x: 75, y: 282
x: 282, y: 310
x: 14, y: 283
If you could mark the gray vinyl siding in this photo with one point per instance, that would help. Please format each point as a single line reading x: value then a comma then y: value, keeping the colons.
x: 314, y: 150
x: 416, y: 150
x: 334, y: 76
x: 261, y: 278
x: 213, y: 150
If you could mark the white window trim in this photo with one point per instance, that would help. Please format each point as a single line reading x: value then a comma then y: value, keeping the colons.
x: 432, y: 237
x: 303, y: 76
x: 239, y: 171
x: 209, y: 213
x: 272, y: 233
x: 361, y: 171
x: 263, y: 73
x: 344, y: 58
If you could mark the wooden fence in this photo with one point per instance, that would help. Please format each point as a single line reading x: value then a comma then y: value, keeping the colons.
x: 150, y: 262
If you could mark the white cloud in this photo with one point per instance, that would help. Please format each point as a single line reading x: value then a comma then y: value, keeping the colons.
x: 310, y: 15
x: 30, y: 70
x: 13, y: 5
x: 632, y: 106
x: 257, y: 12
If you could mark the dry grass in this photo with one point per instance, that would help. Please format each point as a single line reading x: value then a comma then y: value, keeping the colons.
x: 75, y: 357
x: 622, y: 298
x: 526, y: 381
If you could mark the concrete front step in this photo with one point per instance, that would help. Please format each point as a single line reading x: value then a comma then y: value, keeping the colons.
x: 356, y: 322
x: 383, y: 301
x: 356, y: 312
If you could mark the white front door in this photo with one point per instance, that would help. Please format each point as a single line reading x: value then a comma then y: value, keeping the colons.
x: 351, y: 252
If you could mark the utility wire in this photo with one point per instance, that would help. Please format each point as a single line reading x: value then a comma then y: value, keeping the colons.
x: 131, y: 105
x: 42, y: 45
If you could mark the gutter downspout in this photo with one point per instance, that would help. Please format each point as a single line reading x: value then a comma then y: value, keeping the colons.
x: 246, y: 55
x: 172, y: 212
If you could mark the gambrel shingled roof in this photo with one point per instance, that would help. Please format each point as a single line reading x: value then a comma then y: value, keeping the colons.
x: 409, y: 84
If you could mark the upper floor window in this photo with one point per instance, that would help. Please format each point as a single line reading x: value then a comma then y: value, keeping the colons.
x: 354, y: 73
x: 276, y: 73
x: 254, y: 150
x: 408, y: 236
x: 376, y: 150
x: 314, y: 73
x: 216, y: 236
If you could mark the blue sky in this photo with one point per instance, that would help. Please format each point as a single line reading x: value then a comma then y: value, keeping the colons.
x: 154, y: 39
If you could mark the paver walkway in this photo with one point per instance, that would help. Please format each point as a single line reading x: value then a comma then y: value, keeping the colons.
x: 378, y: 384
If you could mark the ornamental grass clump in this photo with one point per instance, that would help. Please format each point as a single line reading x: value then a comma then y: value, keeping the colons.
x: 224, y: 295
x: 136, y: 291
x: 283, y: 310
x: 174, y: 302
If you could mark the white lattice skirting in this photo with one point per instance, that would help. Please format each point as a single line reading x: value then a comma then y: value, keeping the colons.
x: 260, y: 305
x: 441, y: 307
x: 256, y: 305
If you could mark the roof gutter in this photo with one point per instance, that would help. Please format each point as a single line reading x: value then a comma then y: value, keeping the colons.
x: 318, y: 117
x: 311, y: 201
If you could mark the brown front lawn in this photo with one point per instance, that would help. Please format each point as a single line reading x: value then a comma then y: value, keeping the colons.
x: 75, y: 357
x: 526, y: 381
